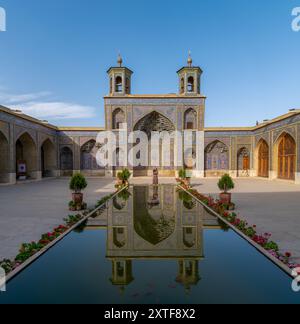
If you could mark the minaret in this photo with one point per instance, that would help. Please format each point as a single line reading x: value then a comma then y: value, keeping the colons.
x: 119, y: 79
x: 190, y: 78
x: 188, y: 274
x: 121, y: 272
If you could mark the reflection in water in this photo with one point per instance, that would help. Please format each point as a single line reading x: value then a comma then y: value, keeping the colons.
x: 151, y: 265
x: 169, y: 229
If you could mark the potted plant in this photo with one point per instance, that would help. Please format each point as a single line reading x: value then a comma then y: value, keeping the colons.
x: 123, y: 178
x: 77, y: 184
x: 225, y: 185
x: 184, y: 177
x: 188, y: 201
x: 72, y: 205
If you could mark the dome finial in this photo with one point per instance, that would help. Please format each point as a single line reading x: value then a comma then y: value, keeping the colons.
x: 190, y: 60
x: 120, y: 60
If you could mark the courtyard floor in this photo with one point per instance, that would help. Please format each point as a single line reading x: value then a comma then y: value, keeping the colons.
x: 273, y: 206
x: 30, y: 209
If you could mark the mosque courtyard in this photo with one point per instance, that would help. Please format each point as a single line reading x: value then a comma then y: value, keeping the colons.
x: 30, y: 209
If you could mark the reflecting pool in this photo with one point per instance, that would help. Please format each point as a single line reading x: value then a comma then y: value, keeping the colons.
x: 152, y: 245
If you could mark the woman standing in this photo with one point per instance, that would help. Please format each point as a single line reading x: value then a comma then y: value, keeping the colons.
x: 155, y: 177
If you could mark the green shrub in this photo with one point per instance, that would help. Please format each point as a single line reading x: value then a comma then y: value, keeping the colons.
x: 226, y: 183
x: 182, y: 174
x: 124, y: 195
x: 78, y: 183
x: 72, y: 219
x: 271, y: 246
x: 250, y: 232
x: 7, y: 265
x: 103, y: 200
x: 124, y: 175
x: 27, y: 250
x: 72, y: 204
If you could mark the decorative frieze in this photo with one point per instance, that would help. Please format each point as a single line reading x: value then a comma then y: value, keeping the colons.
x: 290, y: 130
x: 4, y: 128
x: 225, y: 140
x: 264, y: 136
x: 155, y: 102
x: 142, y: 111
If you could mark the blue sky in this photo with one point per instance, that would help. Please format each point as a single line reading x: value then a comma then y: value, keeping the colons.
x: 55, y: 54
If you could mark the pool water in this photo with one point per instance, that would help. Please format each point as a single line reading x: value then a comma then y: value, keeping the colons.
x: 153, y: 246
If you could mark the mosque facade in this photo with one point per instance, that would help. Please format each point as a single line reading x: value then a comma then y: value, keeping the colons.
x: 34, y: 149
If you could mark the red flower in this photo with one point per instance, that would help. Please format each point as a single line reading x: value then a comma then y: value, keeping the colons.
x: 288, y: 254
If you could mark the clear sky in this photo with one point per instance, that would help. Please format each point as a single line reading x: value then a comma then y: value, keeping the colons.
x: 55, y: 54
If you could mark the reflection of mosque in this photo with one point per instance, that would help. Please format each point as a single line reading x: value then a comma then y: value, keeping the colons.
x: 168, y: 229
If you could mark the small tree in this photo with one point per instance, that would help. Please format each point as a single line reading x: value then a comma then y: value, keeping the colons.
x: 182, y: 174
x: 226, y: 183
x: 78, y: 183
x: 124, y: 176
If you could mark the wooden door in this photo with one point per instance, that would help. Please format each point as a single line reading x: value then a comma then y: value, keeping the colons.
x: 263, y: 160
x: 286, y: 158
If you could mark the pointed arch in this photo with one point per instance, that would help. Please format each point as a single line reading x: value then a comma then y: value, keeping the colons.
x: 190, y: 119
x: 263, y: 158
x: 88, y: 154
x: 48, y: 158
x: 182, y: 85
x: 4, y: 160
x: 157, y: 122
x: 154, y: 121
x: 118, y: 84
x: 146, y: 219
x: 191, y: 84
x: 28, y: 135
x: 189, y: 236
x: 243, y: 162
x: 283, y: 133
x: 66, y: 161
x: 118, y: 118
x: 285, y: 147
x: 216, y: 158
x: 26, y: 156
x: 119, y: 236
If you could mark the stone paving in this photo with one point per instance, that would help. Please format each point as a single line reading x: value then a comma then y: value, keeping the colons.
x: 30, y: 209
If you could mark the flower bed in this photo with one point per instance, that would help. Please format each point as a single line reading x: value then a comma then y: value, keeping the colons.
x: 28, y: 250
x: 263, y: 240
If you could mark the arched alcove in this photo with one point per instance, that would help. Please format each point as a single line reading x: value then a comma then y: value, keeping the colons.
x: 286, y: 157
x: 263, y: 157
x: 190, y: 119
x: 26, y: 155
x: 216, y: 158
x: 4, y: 159
x: 118, y: 118
x: 48, y: 159
x: 66, y: 161
x: 243, y: 162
